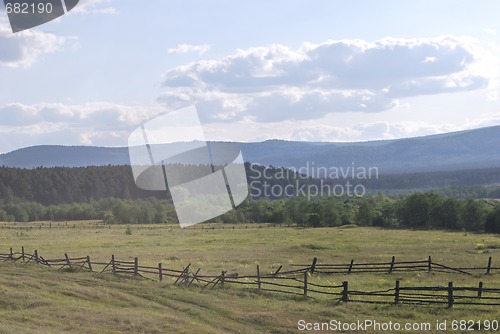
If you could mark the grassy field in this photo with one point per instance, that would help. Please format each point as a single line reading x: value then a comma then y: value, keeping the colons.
x: 42, y: 300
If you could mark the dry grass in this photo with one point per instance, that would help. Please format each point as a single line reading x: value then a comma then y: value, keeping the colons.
x: 41, y: 300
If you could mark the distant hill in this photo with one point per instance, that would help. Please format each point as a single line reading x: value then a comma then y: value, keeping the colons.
x: 479, y: 148
x: 472, y: 149
x: 64, y: 156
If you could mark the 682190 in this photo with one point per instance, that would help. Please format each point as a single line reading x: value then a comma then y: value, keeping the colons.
x: 28, y: 8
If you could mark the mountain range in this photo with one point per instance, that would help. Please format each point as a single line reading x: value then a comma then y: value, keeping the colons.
x: 470, y: 149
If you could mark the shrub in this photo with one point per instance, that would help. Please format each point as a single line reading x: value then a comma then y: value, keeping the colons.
x: 128, y: 231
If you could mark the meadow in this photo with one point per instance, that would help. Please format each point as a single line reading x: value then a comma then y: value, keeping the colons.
x: 37, y: 299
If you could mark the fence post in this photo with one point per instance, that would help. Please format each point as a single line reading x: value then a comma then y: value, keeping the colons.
x: 396, y: 293
x: 392, y: 264
x: 345, y: 291
x: 489, y: 266
x: 113, y: 266
x: 313, y: 265
x: 278, y: 270
x: 305, y: 284
x: 450, y: 294
x: 160, y: 271
x: 258, y: 277
x: 429, y: 264
x: 67, y: 259
x: 350, y: 266
x: 222, y: 278
x: 136, y: 266
x: 480, y: 290
x: 90, y: 263
x: 36, y: 256
x: 11, y: 256
x: 195, y: 276
x: 22, y: 253
x: 185, y: 272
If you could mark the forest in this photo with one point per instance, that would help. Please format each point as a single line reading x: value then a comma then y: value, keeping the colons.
x: 108, y: 193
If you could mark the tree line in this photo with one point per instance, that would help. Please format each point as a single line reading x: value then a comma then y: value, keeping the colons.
x: 418, y: 210
x: 109, y: 210
x: 109, y: 193
x: 422, y: 210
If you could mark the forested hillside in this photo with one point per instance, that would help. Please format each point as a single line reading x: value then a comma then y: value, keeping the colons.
x: 61, y: 185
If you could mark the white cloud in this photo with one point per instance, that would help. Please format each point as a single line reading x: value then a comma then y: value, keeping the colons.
x: 273, y: 83
x: 187, y: 48
x: 369, y: 131
x: 327, y: 130
x: 95, y: 7
x: 109, y: 124
x: 99, y: 115
x: 21, y: 50
x: 386, y: 130
x: 490, y: 31
x: 98, y: 123
x: 490, y: 119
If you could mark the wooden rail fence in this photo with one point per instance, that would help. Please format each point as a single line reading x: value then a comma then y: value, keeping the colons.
x: 394, y: 266
x: 294, y: 282
x: 29, y: 226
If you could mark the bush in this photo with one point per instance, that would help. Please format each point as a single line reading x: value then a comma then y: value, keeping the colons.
x: 128, y: 231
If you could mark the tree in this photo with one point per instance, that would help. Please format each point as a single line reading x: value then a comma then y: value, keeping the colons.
x: 365, y: 214
x: 18, y: 212
x: 473, y: 215
x: 331, y: 213
x: 444, y: 213
x: 122, y: 213
x: 492, y: 224
x: 313, y: 219
x: 109, y: 218
x: 294, y: 210
x: 3, y: 215
x: 348, y: 212
x: 414, y: 210
x: 274, y: 212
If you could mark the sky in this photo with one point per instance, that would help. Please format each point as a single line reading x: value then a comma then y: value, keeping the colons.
x: 313, y: 70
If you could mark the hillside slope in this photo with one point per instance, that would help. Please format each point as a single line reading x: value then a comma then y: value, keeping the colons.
x: 470, y: 149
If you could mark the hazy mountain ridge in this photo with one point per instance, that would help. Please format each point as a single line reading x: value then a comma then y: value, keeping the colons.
x: 478, y: 148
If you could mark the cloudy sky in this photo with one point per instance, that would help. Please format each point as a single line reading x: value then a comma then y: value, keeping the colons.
x: 295, y: 70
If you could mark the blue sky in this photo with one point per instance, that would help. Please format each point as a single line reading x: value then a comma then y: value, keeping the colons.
x: 295, y: 70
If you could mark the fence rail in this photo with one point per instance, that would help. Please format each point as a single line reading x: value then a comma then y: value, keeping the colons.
x: 393, y: 266
x: 28, y: 226
x: 294, y: 282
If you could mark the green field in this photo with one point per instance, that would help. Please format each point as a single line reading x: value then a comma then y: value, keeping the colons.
x: 37, y: 299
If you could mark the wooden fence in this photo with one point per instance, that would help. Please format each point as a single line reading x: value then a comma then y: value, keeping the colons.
x: 394, y: 266
x: 29, y: 226
x: 294, y: 282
